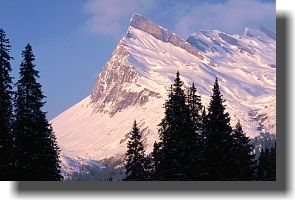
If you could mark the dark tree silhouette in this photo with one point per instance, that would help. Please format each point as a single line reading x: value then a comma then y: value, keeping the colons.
x: 218, y: 143
x: 36, y: 150
x: 195, y: 107
x: 135, y: 160
x: 155, y: 160
x: 244, y: 165
x: 266, y: 168
x: 195, y: 145
x: 177, y: 137
x: 6, y: 110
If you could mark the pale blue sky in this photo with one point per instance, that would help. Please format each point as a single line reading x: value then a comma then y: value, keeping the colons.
x: 73, y: 39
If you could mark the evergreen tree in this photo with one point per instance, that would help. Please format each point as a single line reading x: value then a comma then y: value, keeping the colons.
x: 36, y: 150
x: 195, y: 107
x: 149, y: 168
x: 266, y: 168
x: 218, y: 145
x: 6, y: 110
x: 155, y: 160
x: 135, y: 160
x: 263, y: 165
x: 243, y: 157
x: 272, y: 160
x: 204, y: 127
x: 177, y: 137
x: 202, y: 142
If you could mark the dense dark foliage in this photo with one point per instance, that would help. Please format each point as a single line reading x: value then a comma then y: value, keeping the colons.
x: 28, y: 148
x: 6, y: 107
x: 266, y: 169
x: 243, y: 156
x: 178, y: 138
x: 195, y: 145
x: 218, y: 142
x: 135, y: 160
x: 36, y: 151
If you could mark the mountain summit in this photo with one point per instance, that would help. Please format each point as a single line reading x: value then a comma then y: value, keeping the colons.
x: 132, y: 86
x: 141, y: 23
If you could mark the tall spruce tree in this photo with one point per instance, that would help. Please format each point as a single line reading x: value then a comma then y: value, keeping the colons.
x: 135, y: 160
x: 204, y: 126
x: 6, y: 110
x: 218, y: 144
x: 36, y: 150
x: 201, y: 168
x: 195, y: 109
x: 177, y: 137
x: 155, y: 160
x: 266, y: 168
x: 243, y: 156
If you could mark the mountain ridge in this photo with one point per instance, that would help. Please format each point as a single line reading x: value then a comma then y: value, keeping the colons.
x: 132, y: 85
x: 139, y: 22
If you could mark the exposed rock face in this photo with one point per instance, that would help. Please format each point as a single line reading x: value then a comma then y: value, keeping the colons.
x: 110, y: 94
x: 264, y: 34
x: 141, y: 23
x: 229, y: 39
x: 228, y: 45
x: 197, y: 43
x: 114, y: 72
x: 268, y: 32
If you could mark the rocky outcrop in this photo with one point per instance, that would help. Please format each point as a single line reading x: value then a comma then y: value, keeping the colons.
x: 115, y: 72
x: 223, y: 41
x: 268, y: 32
x: 141, y: 23
x: 110, y: 94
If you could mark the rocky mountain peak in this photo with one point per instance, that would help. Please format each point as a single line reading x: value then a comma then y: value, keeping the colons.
x: 139, y: 22
x: 132, y: 85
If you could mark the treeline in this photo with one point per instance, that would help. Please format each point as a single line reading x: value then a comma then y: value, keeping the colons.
x: 28, y: 148
x: 197, y: 144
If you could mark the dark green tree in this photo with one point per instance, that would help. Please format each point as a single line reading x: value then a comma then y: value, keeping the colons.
x: 6, y: 110
x: 149, y: 168
x: 204, y: 127
x: 177, y: 137
x: 36, y: 150
x: 135, y: 160
x: 218, y: 143
x: 263, y: 165
x: 201, y: 167
x: 195, y: 107
x: 273, y: 163
x: 243, y: 156
x: 266, y: 168
x: 155, y: 160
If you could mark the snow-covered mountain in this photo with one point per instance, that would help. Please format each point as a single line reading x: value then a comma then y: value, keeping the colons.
x: 132, y: 86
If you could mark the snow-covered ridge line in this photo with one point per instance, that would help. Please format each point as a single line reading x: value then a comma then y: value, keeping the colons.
x: 139, y: 22
x: 132, y: 85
